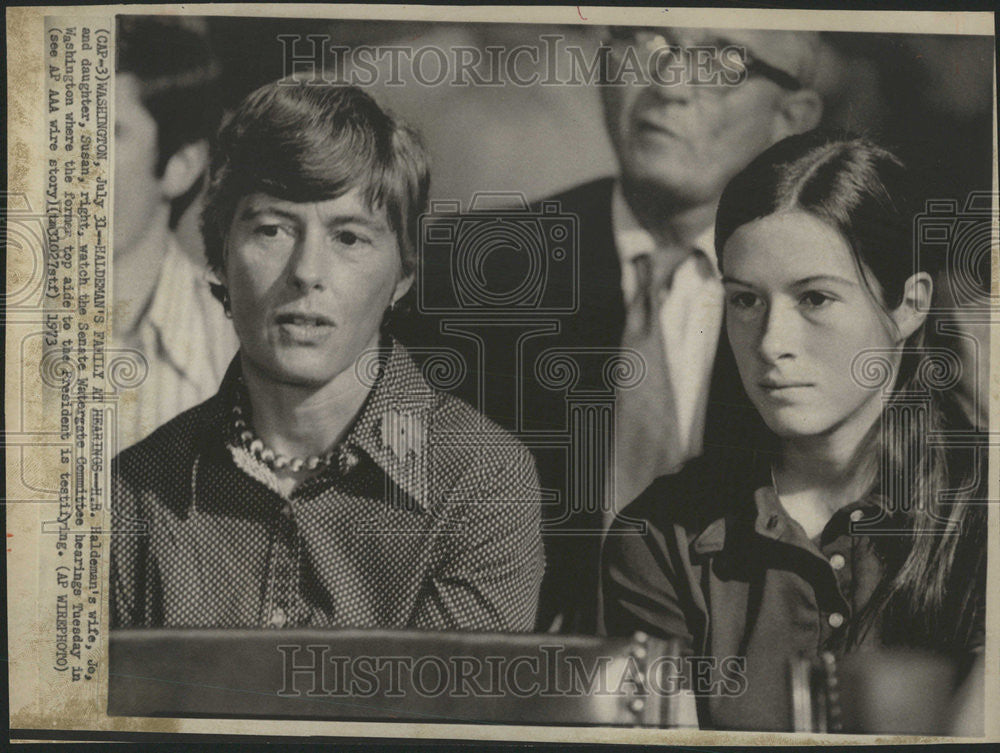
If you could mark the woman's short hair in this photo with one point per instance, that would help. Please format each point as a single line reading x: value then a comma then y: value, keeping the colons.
x: 314, y: 143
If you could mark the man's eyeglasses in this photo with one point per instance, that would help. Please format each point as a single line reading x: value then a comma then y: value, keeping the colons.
x: 716, y: 62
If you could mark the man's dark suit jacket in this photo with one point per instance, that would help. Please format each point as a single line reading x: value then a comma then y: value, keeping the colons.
x: 593, y: 331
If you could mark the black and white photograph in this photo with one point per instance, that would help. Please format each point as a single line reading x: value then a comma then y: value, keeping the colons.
x: 565, y: 375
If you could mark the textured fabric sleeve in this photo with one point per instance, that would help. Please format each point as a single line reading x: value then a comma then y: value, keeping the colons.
x: 642, y: 581
x: 490, y: 577
x: 127, y: 545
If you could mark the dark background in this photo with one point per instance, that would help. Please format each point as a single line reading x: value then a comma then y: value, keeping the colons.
x: 930, y: 97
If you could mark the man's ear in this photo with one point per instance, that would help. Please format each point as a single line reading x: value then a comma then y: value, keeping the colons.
x: 185, y: 167
x: 912, y: 311
x: 799, y: 112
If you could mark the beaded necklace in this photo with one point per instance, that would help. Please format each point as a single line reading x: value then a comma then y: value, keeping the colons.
x: 273, y: 460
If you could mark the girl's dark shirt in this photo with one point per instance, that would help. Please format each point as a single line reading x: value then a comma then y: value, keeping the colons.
x: 709, y: 555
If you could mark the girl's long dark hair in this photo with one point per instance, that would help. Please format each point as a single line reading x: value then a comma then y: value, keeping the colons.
x: 932, y: 534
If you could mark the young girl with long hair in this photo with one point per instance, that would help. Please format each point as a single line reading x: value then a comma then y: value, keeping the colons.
x: 846, y: 520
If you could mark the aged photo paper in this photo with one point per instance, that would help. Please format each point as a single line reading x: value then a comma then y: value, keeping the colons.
x: 558, y: 374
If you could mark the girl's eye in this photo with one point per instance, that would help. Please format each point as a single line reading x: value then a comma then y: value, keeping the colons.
x: 814, y: 299
x: 744, y: 300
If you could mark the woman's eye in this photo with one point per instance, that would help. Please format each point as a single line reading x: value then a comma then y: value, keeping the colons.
x: 269, y: 231
x: 814, y: 299
x: 348, y: 238
x: 744, y: 300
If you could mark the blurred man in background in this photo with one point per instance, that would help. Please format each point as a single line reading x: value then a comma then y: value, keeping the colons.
x: 649, y: 281
x: 165, y: 111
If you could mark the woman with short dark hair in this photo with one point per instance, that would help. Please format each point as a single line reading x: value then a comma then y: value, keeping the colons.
x: 849, y: 522
x: 327, y: 483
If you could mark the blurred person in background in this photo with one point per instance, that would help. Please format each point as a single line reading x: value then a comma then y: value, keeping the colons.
x: 165, y: 111
x: 649, y: 281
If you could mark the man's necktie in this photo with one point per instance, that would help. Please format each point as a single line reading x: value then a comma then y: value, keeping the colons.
x: 645, y: 421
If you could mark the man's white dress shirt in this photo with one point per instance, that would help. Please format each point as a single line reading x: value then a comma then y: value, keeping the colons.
x: 690, y: 318
x: 187, y: 343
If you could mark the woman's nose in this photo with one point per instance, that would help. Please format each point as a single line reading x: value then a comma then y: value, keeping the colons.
x: 309, y: 266
x: 777, y: 338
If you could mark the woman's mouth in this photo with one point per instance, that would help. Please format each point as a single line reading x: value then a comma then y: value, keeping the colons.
x: 304, y: 327
x: 782, y: 390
